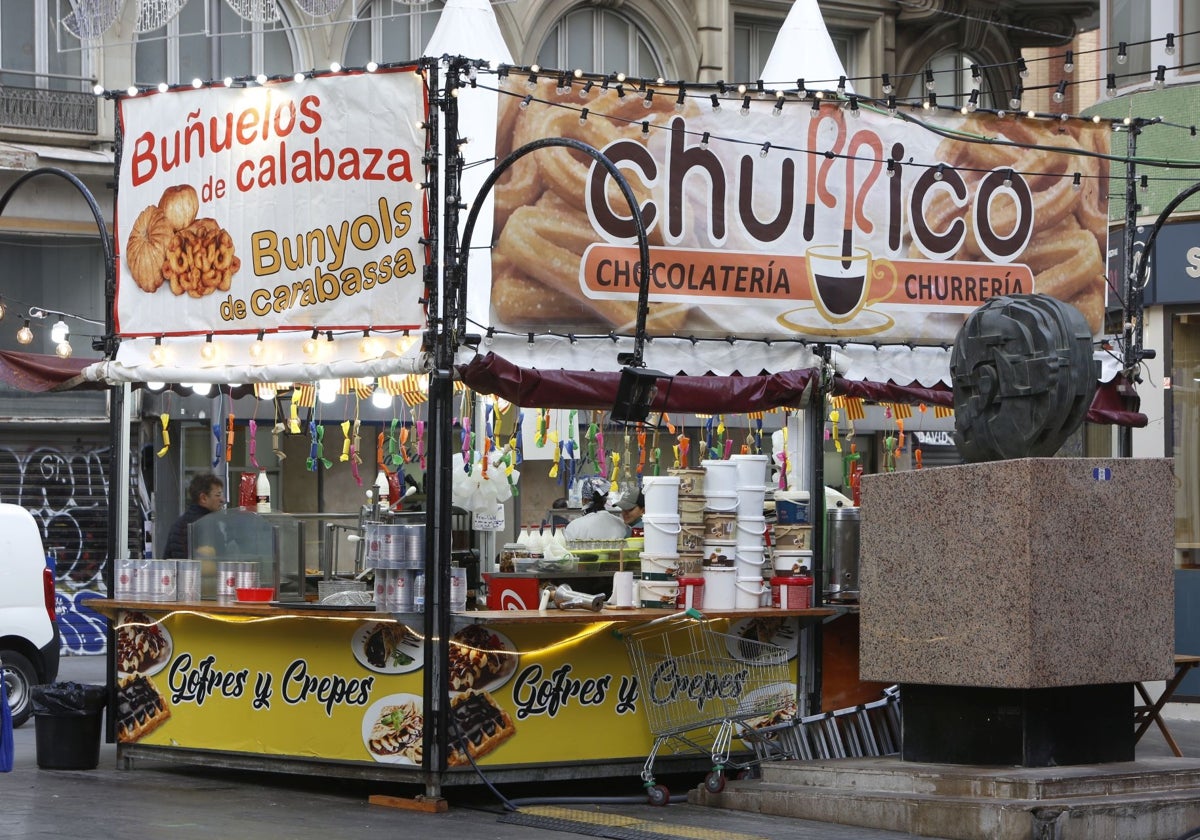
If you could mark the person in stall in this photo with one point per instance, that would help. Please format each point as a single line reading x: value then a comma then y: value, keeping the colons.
x: 206, y: 494
x: 606, y: 518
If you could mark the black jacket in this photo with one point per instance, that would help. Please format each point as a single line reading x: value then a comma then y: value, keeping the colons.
x: 177, y: 538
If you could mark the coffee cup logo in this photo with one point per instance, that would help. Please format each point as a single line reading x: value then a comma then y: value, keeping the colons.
x: 842, y: 283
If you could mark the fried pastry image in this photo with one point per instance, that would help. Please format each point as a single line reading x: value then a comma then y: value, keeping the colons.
x: 477, y: 727
x: 140, y: 708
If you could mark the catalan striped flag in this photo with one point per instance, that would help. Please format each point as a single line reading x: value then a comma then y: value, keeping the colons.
x: 943, y: 411
x: 901, y: 411
x: 851, y: 407
x: 305, y: 395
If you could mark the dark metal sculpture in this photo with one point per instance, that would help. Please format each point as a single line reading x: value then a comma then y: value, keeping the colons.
x: 1024, y: 377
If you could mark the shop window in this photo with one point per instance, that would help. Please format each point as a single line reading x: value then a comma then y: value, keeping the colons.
x: 1129, y: 21
x: 208, y: 40
x: 953, y: 77
x: 387, y: 31
x: 602, y: 41
x: 1185, y: 436
x: 754, y: 38
x: 1189, y: 46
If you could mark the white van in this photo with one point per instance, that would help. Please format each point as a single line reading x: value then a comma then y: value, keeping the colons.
x: 29, y: 644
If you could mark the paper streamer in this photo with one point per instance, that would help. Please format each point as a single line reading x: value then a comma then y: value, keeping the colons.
x: 251, y: 444
x: 165, y: 419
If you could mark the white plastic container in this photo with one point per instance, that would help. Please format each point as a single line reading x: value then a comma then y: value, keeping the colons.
x: 748, y: 593
x: 750, y: 532
x: 751, y: 470
x: 691, y: 537
x: 725, y: 502
x: 750, y: 500
x: 720, y: 526
x: 658, y: 593
x: 691, y: 481
x: 791, y: 562
x: 720, y: 477
x: 749, y: 562
x: 659, y: 566
x: 720, y: 553
x: 791, y: 507
x: 661, y: 534
x: 661, y: 494
x: 720, y: 587
x: 791, y: 537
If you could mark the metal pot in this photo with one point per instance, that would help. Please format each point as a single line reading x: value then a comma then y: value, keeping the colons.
x: 841, y: 535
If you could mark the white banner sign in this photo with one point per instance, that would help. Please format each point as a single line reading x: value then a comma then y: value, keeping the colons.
x: 291, y: 205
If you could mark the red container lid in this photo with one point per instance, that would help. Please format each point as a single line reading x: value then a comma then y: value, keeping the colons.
x: 691, y: 581
x: 791, y: 580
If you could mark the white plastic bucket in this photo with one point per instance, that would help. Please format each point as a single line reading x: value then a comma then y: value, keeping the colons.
x: 751, y: 470
x: 791, y: 562
x: 661, y: 494
x: 660, y: 534
x: 720, y: 477
x: 659, y: 566
x: 750, y: 500
x: 720, y: 587
x: 658, y: 593
x: 720, y: 553
x: 720, y: 527
x: 749, y: 562
x: 691, y: 481
x: 722, y: 502
x: 791, y: 537
x: 750, y: 532
x: 748, y: 593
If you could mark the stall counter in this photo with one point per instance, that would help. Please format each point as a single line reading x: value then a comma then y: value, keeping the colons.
x: 337, y: 690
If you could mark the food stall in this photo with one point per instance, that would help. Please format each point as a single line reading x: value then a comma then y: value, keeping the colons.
x: 296, y: 236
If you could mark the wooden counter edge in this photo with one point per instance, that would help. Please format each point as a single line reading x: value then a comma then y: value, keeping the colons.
x: 110, y: 607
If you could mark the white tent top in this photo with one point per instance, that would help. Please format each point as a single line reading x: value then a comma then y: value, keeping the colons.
x: 803, y: 50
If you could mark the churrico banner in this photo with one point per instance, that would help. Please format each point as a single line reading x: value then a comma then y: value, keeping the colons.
x: 792, y: 221
x: 284, y: 205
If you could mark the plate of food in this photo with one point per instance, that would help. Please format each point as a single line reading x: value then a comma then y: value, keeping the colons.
x: 392, y: 729
x: 781, y: 632
x: 387, y: 647
x: 143, y: 644
x: 481, y: 659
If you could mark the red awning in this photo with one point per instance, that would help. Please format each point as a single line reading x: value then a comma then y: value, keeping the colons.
x: 491, y: 374
x: 40, y: 372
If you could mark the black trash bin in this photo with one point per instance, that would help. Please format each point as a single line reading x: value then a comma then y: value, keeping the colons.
x: 67, y: 720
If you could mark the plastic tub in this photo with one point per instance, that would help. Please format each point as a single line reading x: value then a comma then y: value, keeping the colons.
x: 748, y: 593
x: 749, y: 562
x: 791, y: 562
x: 660, y: 534
x: 722, y: 502
x: 691, y: 593
x: 719, y: 553
x: 661, y: 494
x: 691, y: 509
x: 658, y: 593
x: 720, y: 526
x: 720, y: 477
x: 750, y: 532
x: 792, y: 537
x: 691, y: 537
x: 691, y: 481
x: 660, y: 566
x: 791, y: 507
x: 751, y: 500
x: 752, y: 470
x: 720, y: 587
x: 791, y: 593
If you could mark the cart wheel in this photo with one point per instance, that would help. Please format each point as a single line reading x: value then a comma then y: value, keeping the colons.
x: 658, y: 795
x: 714, y: 782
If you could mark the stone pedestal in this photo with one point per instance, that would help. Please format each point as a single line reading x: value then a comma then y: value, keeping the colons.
x: 1028, y: 574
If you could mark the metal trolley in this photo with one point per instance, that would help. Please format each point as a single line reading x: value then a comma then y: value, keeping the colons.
x: 695, y: 682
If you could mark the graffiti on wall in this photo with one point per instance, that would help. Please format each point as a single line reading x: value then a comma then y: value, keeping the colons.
x: 66, y: 489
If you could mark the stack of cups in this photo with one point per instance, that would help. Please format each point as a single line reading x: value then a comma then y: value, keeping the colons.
x: 187, y: 580
x: 233, y: 575
x: 394, y: 589
x: 125, y: 581
x: 160, y: 580
x: 751, y: 471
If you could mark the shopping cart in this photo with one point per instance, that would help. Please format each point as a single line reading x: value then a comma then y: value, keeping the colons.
x: 696, y: 683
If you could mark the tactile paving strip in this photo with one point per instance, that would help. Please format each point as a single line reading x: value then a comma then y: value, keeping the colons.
x: 613, y: 826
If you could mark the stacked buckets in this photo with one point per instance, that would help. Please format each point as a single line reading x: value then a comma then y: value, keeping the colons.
x: 397, y: 553
x: 750, y: 530
x: 661, y: 527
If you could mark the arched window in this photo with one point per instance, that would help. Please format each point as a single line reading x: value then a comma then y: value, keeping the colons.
x: 953, y: 79
x: 208, y: 40
x: 387, y: 31
x: 600, y: 41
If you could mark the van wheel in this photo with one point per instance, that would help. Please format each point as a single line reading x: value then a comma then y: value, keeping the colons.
x: 19, y: 679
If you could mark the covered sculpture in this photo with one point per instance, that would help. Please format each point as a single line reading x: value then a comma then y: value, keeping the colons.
x: 1023, y: 375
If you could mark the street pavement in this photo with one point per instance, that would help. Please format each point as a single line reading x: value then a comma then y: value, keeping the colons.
x: 183, y: 802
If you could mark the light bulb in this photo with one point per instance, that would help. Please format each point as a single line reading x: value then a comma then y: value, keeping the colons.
x: 25, y: 335
x: 310, y: 345
x: 63, y: 349
x: 60, y: 331
x: 162, y: 87
x: 201, y: 389
x: 369, y: 345
x: 405, y: 343
x: 208, y: 350
x: 156, y: 386
x: 158, y: 353
x: 381, y: 398
x: 258, y: 347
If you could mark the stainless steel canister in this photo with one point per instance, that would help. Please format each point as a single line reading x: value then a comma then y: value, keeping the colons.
x: 841, y: 538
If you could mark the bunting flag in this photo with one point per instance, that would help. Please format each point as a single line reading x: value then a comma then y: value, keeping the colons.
x: 900, y: 411
x: 853, y: 407
x: 264, y: 390
x: 408, y: 388
x: 360, y: 387
x: 305, y: 395
x: 943, y: 411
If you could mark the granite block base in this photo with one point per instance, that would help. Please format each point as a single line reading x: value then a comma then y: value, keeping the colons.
x: 1035, y: 727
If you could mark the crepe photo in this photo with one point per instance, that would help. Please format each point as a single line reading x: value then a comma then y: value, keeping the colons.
x: 392, y: 729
